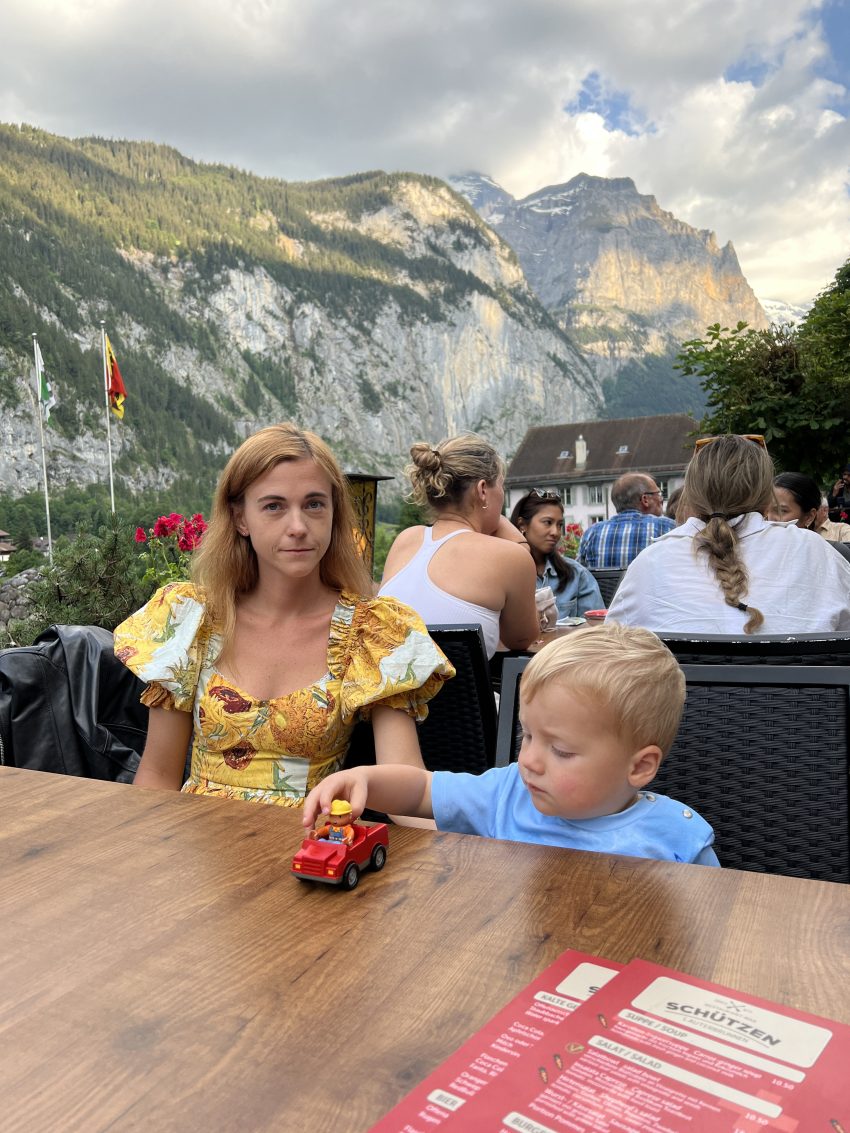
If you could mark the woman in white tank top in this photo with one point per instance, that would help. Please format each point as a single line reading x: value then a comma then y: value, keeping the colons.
x: 472, y: 565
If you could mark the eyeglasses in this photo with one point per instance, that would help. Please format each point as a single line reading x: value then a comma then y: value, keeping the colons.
x: 756, y: 438
x: 545, y: 494
x: 657, y: 492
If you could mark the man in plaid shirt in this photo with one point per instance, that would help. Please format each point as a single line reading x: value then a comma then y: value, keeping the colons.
x: 612, y: 544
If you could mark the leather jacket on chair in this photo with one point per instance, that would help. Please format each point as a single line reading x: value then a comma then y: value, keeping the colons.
x: 68, y: 706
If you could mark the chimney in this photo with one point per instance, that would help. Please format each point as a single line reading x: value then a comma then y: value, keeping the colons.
x: 581, y: 451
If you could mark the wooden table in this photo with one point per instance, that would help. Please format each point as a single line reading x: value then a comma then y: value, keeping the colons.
x: 162, y: 970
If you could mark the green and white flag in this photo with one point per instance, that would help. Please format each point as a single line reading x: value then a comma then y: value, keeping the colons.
x: 45, y: 391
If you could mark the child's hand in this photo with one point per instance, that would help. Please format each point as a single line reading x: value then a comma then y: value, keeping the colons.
x: 349, y: 785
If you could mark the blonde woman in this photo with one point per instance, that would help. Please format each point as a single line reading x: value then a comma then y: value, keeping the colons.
x: 472, y: 565
x: 728, y: 570
x: 264, y: 662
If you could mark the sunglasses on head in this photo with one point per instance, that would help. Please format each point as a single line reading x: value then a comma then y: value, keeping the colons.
x: 545, y: 494
x: 756, y: 438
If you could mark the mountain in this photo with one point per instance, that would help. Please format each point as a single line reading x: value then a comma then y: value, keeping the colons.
x: 627, y: 280
x: 374, y: 309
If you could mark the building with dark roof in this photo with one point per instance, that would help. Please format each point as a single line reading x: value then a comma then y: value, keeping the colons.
x: 582, y: 461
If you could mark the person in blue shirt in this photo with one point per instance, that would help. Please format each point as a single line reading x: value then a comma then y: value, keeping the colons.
x: 613, y: 543
x: 599, y: 710
x: 539, y: 515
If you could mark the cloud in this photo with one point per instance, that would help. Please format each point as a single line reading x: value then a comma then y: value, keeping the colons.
x: 732, y: 114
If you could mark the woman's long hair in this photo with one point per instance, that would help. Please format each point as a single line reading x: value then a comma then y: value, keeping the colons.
x: 728, y: 477
x: 524, y: 511
x: 225, y: 565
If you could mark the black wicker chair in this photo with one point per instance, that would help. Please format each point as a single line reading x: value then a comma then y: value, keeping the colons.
x: 772, y: 649
x: 460, y: 731
x: 608, y: 581
x: 509, y: 735
x: 763, y: 753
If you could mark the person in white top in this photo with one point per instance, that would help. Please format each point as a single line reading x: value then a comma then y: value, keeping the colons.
x: 727, y: 569
x: 472, y: 565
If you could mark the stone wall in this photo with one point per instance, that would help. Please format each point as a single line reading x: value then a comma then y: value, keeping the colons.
x: 14, y: 603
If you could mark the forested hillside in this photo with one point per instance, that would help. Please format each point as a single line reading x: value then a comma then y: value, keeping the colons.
x: 369, y: 307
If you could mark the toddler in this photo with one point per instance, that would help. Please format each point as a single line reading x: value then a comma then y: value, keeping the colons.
x: 599, y: 710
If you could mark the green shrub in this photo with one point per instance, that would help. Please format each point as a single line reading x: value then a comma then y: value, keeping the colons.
x: 94, y: 580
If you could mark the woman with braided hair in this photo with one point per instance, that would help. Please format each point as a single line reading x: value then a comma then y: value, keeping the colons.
x: 727, y: 569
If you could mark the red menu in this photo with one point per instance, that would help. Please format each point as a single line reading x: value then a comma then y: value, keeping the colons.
x: 477, y: 1068
x: 658, y: 1051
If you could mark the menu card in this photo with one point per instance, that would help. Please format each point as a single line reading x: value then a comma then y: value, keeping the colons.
x: 646, y: 1048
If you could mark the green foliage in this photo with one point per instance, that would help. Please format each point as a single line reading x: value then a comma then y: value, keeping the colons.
x: 384, y: 536
x: 773, y: 382
x: 74, y: 509
x: 411, y: 515
x: 824, y: 336
x: 20, y: 561
x: 370, y: 398
x: 94, y: 580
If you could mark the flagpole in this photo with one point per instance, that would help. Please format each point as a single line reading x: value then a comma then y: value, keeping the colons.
x: 106, y: 400
x: 40, y: 412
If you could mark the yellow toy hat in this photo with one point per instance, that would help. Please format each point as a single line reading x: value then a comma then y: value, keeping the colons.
x: 339, y: 807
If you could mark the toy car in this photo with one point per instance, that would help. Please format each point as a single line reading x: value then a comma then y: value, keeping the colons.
x: 338, y: 864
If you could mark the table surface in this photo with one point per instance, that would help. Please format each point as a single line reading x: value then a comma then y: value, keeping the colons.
x: 163, y: 970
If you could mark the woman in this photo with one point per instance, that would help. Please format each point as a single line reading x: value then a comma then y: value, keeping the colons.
x: 472, y: 565
x: 539, y: 516
x: 797, y: 500
x: 726, y: 569
x: 266, y: 660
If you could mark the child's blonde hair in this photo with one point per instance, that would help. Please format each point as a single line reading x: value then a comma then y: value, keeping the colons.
x: 625, y: 669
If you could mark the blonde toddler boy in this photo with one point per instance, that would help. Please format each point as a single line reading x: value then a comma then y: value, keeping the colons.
x: 599, y: 710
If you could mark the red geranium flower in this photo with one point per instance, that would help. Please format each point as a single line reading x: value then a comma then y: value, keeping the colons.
x: 141, y: 535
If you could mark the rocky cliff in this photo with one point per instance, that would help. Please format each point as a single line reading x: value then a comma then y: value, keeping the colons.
x: 376, y: 310
x: 623, y: 276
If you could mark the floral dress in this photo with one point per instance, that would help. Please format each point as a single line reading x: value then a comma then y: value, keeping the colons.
x: 275, y: 751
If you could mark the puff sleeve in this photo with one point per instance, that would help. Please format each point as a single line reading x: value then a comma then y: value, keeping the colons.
x: 387, y: 658
x: 164, y: 644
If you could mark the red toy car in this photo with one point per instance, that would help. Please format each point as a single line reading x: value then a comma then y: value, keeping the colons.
x: 338, y: 864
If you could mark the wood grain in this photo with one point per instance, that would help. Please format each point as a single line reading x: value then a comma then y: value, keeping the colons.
x: 163, y: 970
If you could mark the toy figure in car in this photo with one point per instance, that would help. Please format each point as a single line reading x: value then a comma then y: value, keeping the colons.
x: 338, y: 827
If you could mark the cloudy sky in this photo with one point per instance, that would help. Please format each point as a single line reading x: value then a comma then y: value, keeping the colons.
x: 733, y: 113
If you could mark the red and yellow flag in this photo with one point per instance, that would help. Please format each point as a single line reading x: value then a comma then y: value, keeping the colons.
x: 115, y: 383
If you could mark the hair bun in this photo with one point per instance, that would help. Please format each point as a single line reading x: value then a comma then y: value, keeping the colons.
x: 425, y: 457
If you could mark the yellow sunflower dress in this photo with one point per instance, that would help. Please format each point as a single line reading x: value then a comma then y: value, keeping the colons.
x: 275, y: 751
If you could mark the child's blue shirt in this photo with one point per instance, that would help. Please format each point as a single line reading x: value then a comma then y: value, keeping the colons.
x: 497, y: 805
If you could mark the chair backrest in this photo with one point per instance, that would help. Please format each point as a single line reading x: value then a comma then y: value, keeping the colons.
x: 509, y: 735
x: 771, y: 649
x: 762, y: 754
x: 842, y: 548
x: 459, y: 733
x: 609, y: 580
